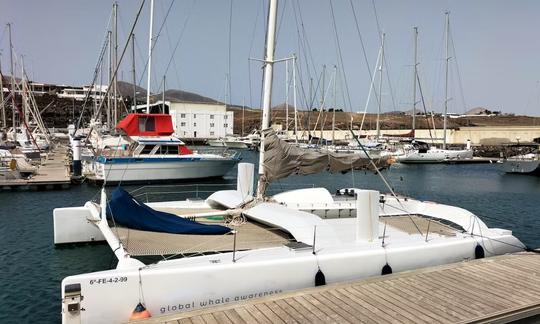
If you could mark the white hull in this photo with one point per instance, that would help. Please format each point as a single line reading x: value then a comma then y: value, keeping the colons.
x: 521, y: 166
x: 434, y: 156
x: 156, y: 171
x: 185, y: 284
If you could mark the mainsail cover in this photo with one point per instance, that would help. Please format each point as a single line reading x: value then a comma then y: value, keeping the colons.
x: 129, y: 212
x: 282, y: 159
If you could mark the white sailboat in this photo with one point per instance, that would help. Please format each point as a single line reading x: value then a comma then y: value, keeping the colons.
x: 293, y: 240
x: 421, y: 152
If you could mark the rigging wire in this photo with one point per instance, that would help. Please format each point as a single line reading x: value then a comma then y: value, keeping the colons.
x: 155, y: 41
x: 190, y: 12
x: 385, y: 60
x: 119, y: 62
x: 460, y: 83
x: 251, y: 51
x: 96, y: 73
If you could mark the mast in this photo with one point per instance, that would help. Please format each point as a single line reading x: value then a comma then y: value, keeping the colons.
x: 334, y: 110
x: 287, y: 97
x: 447, y: 59
x: 4, y: 124
x: 163, y: 96
x: 415, y: 76
x: 267, y: 95
x: 24, y: 98
x: 310, y: 109
x: 109, y: 34
x: 115, y: 57
x: 243, y: 114
x: 322, y: 103
x: 133, y: 70
x: 14, y: 108
x: 149, y: 56
x: 379, y: 107
x: 294, y: 100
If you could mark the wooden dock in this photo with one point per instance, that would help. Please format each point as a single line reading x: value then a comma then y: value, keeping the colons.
x: 493, y: 290
x: 53, y: 173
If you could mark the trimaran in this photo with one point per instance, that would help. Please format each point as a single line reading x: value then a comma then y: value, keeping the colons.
x: 292, y: 240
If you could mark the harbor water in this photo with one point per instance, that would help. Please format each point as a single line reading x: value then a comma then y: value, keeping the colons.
x: 32, y: 267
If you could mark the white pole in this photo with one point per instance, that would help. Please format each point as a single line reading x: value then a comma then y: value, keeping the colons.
x: 334, y: 110
x: 243, y: 115
x: 24, y: 99
x: 149, y: 56
x: 379, y: 107
x: 287, y: 97
x: 294, y: 100
x: 13, y: 106
x: 267, y: 96
x: 4, y: 124
x: 447, y: 59
x: 109, y: 103
x: 115, y: 57
x: 415, y: 65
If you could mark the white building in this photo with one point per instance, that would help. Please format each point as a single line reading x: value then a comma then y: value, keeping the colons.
x: 196, y: 120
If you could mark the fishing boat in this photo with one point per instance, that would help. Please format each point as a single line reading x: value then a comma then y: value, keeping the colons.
x: 523, y: 164
x: 238, y: 245
x: 150, y: 152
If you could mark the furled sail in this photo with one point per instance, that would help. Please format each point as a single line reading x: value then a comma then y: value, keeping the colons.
x: 282, y: 159
x: 129, y: 212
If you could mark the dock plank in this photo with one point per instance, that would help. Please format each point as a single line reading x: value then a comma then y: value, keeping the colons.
x: 501, y: 288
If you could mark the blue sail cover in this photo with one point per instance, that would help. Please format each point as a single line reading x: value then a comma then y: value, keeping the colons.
x: 129, y: 212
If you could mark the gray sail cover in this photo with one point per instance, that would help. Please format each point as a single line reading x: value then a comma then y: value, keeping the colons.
x: 282, y: 159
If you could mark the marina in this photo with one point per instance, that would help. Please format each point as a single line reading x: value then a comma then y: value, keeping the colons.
x: 312, y: 195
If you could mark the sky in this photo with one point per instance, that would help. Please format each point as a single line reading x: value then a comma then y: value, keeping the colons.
x: 494, y: 49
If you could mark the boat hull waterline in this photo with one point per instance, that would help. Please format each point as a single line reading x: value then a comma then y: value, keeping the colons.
x: 163, y: 169
x: 110, y: 296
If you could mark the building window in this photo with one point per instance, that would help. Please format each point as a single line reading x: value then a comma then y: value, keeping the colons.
x: 183, y: 124
x: 225, y: 125
x: 225, y: 117
x: 211, y: 124
x: 182, y: 115
x: 194, y: 116
x: 211, y: 133
x: 194, y: 124
x: 211, y: 116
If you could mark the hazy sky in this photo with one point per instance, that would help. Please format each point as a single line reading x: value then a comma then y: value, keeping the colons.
x: 497, y: 47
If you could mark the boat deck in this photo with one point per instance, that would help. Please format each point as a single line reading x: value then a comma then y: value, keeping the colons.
x: 251, y: 235
x: 493, y: 290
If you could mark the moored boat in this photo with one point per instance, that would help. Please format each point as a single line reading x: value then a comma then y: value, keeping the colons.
x: 154, y: 154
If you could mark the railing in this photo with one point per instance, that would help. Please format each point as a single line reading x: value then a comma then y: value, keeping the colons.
x: 153, y: 193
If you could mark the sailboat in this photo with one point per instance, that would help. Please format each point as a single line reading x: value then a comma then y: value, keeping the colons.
x: 419, y: 152
x: 244, y: 245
